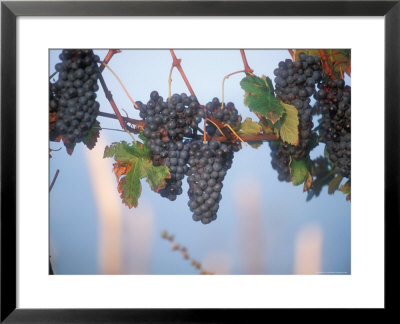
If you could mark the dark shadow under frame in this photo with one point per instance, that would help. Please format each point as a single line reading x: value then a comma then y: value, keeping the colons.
x: 11, y: 10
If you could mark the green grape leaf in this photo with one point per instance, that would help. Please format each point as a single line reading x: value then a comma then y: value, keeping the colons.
x: 94, y: 133
x: 133, y: 163
x: 250, y: 127
x: 260, y: 99
x: 142, y: 137
x: 268, y: 84
x: 298, y: 171
x: 334, y: 184
x: 289, y: 131
x: 253, y: 84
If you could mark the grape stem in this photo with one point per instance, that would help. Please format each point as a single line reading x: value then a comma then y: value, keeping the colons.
x: 208, y: 119
x: 138, y: 123
x: 292, y: 54
x: 247, y: 68
x: 52, y: 75
x: 170, y: 81
x: 54, y: 180
x: 130, y: 134
x: 121, y: 84
x: 234, y: 133
x: 108, y: 57
x: 177, y: 63
x: 223, y: 84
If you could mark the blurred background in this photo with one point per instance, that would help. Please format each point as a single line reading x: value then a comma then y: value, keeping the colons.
x: 263, y: 227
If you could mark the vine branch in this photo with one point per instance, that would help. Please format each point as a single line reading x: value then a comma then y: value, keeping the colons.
x: 108, y: 57
x: 111, y: 100
x: 292, y: 53
x: 54, y: 180
x: 170, y: 81
x: 247, y: 68
x: 248, y: 138
x: 177, y: 63
x: 140, y: 124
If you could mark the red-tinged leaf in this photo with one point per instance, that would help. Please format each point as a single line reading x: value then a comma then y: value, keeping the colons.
x: 91, y: 139
x: 346, y: 189
x: 133, y: 163
x: 307, y: 182
x: 120, y: 170
x: 68, y: 145
x: 70, y: 149
x: 130, y: 187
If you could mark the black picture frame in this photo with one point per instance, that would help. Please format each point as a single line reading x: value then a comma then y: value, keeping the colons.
x: 11, y: 10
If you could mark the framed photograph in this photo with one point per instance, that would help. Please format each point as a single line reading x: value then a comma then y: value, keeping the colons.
x: 197, y: 158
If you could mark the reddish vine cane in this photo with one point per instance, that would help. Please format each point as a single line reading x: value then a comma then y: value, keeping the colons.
x: 54, y: 180
x: 326, y: 65
x: 108, y: 57
x: 247, y: 68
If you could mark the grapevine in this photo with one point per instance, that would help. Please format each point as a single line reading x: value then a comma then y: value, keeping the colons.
x: 179, y: 138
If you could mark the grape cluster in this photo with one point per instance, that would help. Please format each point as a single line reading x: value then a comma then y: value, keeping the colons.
x: 73, y: 94
x: 334, y: 102
x: 171, y: 135
x: 169, y: 122
x: 227, y: 114
x: 294, y: 85
x: 209, y: 163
